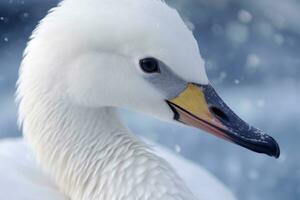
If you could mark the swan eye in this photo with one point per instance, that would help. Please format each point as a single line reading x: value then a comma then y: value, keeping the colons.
x: 150, y: 65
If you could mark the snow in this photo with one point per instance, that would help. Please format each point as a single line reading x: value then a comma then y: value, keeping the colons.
x: 253, y: 61
x: 245, y: 16
x: 237, y: 33
x: 237, y: 81
x: 177, y: 148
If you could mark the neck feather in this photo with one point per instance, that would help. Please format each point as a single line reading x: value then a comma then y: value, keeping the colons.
x: 91, y: 155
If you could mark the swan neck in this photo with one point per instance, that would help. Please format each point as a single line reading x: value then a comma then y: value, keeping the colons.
x: 90, y: 154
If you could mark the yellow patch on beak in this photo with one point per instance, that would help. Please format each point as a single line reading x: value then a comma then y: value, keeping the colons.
x: 193, y: 101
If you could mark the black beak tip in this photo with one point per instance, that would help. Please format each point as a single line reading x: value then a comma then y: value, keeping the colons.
x: 267, y: 145
x: 272, y: 148
x: 276, y: 149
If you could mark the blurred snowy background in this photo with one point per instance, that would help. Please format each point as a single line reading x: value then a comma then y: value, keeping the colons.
x: 252, y: 49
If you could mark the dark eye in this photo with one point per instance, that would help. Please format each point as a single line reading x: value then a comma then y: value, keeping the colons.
x: 149, y: 65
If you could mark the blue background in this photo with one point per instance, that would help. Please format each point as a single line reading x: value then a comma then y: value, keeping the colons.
x: 252, y: 57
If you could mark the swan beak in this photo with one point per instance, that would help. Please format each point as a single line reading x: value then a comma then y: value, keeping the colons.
x: 201, y: 107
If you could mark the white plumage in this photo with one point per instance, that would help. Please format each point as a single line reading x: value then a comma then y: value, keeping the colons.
x: 21, y: 177
x: 79, y: 67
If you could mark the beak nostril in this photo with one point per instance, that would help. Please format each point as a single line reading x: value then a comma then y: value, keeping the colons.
x: 217, y: 112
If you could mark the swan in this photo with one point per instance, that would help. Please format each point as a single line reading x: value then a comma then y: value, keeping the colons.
x: 86, y: 60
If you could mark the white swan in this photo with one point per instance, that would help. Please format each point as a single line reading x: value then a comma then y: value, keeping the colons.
x: 83, y: 62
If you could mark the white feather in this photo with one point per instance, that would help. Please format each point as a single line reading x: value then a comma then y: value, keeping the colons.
x: 21, y: 177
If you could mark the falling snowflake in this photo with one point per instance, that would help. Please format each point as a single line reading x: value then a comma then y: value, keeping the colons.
x: 177, y: 148
x: 245, y: 16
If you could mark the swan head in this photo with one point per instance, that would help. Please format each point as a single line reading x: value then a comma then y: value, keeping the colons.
x: 137, y: 55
